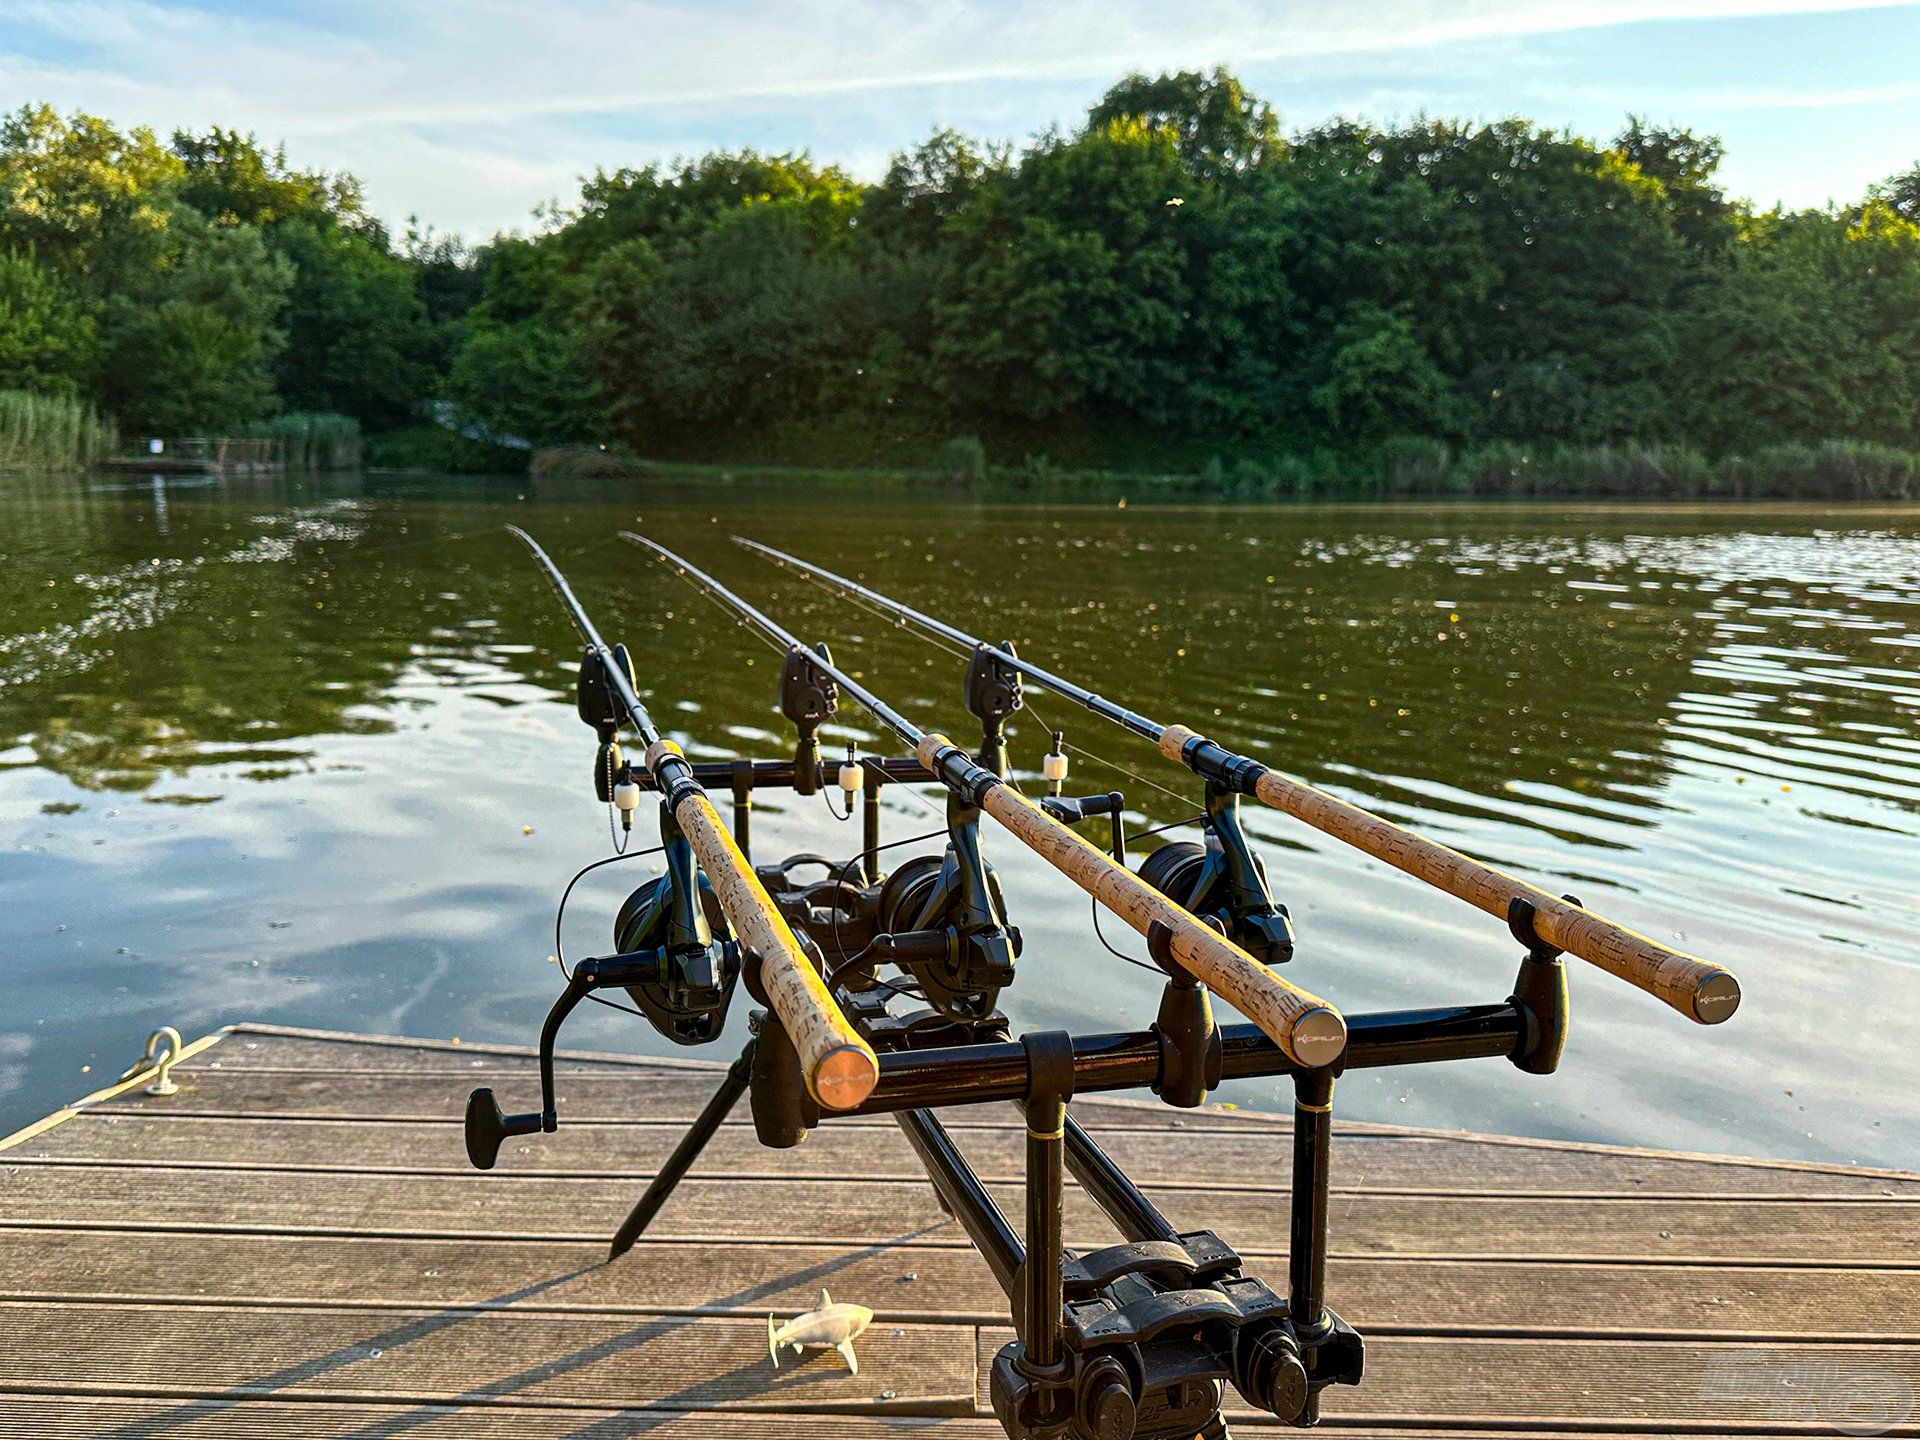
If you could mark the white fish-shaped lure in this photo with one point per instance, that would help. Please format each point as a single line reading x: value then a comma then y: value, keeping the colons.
x: 831, y: 1327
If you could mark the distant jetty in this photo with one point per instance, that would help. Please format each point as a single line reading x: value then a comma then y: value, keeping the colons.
x: 204, y: 455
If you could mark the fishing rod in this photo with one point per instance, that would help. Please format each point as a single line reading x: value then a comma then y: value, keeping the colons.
x: 838, y: 1064
x: 1703, y: 992
x: 1305, y: 1027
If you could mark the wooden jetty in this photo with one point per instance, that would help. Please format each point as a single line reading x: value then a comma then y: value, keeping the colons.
x: 206, y: 455
x: 292, y: 1244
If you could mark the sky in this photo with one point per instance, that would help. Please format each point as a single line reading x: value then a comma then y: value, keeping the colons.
x: 470, y: 114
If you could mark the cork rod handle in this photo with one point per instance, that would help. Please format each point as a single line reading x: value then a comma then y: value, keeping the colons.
x: 1699, y: 990
x: 839, y: 1065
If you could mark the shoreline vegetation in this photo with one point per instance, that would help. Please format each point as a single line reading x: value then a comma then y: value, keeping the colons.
x: 1838, y: 470
x: 1176, y: 292
x: 52, y: 432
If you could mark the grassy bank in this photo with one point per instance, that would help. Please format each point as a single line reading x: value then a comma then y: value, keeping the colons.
x: 51, y: 432
x: 1411, y: 468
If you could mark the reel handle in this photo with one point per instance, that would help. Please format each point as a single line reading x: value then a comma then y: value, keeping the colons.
x: 1701, y: 991
x: 1308, y: 1029
x: 840, y: 1067
x: 486, y: 1127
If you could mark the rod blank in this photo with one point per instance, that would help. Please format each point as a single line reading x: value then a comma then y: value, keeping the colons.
x: 1698, y: 989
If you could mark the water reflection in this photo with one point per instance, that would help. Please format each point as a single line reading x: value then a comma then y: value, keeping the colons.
x: 1700, y: 720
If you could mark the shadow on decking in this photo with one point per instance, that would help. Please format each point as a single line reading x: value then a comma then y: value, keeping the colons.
x: 715, y: 1389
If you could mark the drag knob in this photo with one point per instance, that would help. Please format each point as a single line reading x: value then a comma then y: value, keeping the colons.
x: 1107, y: 1408
x: 1268, y: 1372
x: 487, y: 1127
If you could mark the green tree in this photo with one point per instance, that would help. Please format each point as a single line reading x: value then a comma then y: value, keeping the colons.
x: 1066, y: 289
x: 736, y: 330
x: 46, y: 333
x: 1812, y: 333
x: 85, y: 199
x: 359, y: 341
x: 1686, y: 165
x: 518, y: 371
x: 1902, y: 193
x: 1219, y: 129
x: 229, y: 177
x: 190, y: 347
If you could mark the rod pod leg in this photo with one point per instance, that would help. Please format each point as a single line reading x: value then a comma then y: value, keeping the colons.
x: 732, y: 1087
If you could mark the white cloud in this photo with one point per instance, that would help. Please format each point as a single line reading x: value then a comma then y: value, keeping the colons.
x: 472, y: 111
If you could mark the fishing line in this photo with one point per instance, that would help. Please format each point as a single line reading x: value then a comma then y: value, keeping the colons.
x: 1100, y: 935
x: 560, y: 913
x: 1113, y: 765
x: 959, y: 652
x: 840, y: 878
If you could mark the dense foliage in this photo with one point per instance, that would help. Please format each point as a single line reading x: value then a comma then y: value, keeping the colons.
x: 1177, y: 284
x: 200, y: 284
x: 1176, y: 281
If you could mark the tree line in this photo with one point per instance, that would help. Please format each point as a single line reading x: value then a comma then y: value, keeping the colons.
x: 1173, y: 284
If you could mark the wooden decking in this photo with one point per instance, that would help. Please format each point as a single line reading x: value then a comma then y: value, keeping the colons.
x: 293, y: 1245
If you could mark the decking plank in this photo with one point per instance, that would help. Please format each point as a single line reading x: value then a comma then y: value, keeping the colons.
x: 1229, y: 1158
x: 290, y: 1245
x: 1870, y: 1232
x: 622, y: 1095
x: 1379, y: 1295
x: 93, y: 1417
x: 87, y: 1417
x: 1657, y: 1387
x: 667, y: 1362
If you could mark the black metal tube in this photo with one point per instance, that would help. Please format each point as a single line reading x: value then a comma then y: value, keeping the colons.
x: 1391, y: 1037
x: 732, y: 1087
x: 780, y: 774
x: 1045, y: 1290
x: 1132, y: 1214
x: 870, y: 822
x: 966, y: 1197
x: 742, y: 814
x: 1307, y: 1245
x: 988, y: 1073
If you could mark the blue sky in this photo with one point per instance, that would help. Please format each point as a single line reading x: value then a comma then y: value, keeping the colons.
x: 469, y: 113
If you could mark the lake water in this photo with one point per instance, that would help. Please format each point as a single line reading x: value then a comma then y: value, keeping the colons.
x: 305, y: 753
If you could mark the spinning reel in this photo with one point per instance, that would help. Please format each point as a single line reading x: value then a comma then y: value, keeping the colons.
x: 1221, y: 880
x: 1224, y: 880
x: 674, y: 916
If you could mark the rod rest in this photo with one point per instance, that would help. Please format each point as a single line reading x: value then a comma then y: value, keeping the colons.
x: 1539, y: 994
x: 1191, y: 1052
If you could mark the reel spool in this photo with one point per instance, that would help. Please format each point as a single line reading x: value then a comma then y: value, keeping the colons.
x: 688, y: 1003
x: 926, y: 895
x: 1200, y: 878
x: 1173, y: 868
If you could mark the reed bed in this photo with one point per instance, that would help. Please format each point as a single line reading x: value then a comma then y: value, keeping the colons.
x: 52, y: 432
x: 312, y: 439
